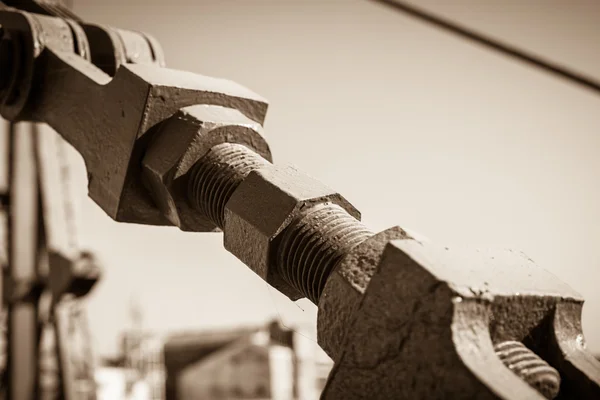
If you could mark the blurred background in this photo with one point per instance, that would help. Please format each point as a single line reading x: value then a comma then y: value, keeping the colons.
x: 416, y: 127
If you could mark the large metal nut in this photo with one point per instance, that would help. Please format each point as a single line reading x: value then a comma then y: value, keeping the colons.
x: 430, y: 317
x: 179, y: 142
x: 346, y: 286
x: 262, y: 207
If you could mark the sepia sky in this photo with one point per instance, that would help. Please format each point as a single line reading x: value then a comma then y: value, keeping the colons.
x: 414, y: 126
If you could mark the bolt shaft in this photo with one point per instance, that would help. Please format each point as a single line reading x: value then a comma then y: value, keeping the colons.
x: 214, y: 178
x: 529, y: 367
x: 315, y: 241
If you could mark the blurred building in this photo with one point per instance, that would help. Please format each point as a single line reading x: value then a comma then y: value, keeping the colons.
x: 138, y: 372
x: 142, y: 355
x: 112, y: 383
x: 263, y: 362
x: 268, y: 362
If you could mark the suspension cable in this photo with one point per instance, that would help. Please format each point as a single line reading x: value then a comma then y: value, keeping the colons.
x: 506, y: 49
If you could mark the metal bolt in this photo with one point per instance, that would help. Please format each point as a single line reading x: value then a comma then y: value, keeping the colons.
x: 214, y: 178
x: 316, y: 240
x: 529, y: 367
x: 311, y: 245
x: 314, y: 243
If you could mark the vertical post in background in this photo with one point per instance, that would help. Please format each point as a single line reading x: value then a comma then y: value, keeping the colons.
x: 58, y: 200
x: 41, y: 251
x: 76, y: 356
x: 4, y: 250
x: 23, y: 332
x: 306, y: 373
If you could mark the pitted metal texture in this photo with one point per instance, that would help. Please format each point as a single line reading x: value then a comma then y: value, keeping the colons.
x: 402, y: 318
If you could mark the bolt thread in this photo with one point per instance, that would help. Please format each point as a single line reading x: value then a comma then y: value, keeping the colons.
x: 314, y: 243
x: 214, y: 178
x: 529, y: 367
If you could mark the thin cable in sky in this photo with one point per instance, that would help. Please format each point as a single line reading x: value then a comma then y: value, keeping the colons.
x: 466, y: 33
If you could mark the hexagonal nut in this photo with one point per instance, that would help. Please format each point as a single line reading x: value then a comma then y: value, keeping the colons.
x: 262, y: 207
x: 426, y: 325
x: 346, y: 286
x: 179, y: 142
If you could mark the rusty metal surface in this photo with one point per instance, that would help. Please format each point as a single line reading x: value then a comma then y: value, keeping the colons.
x: 42, y: 221
x: 179, y: 143
x: 434, y: 326
x: 61, y: 268
x: 45, y: 7
x: 109, y: 128
x: 107, y: 53
x: 24, y: 36
x: 215, y: 177
x: 403, y: 319
x: 263, y: 205
x: 137, y: 49
x: 314, y: 242
x: 449, y: 308
x: 346, y: 286
x: 567, y: 352
x: 110, y: 48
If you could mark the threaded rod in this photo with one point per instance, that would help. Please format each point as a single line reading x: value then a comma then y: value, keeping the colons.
x: 214, y: 178
x: 529, y: 367
x: 314, y: 243
x: 311, y: 246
